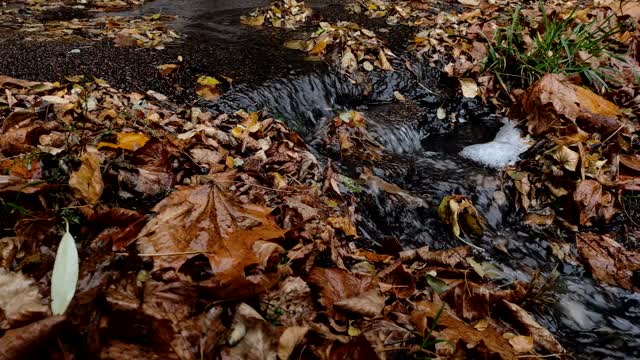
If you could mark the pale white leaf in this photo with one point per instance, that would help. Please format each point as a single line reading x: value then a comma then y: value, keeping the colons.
x: 65, y: 274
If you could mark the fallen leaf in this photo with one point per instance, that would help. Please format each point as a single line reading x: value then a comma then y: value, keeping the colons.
x: 522, y: 344
x: 231, y: 235
x: 567, y: 158
x: 64, y: 278
x: 607, y: 260
x: 126, y: 141
x: 87, y: 181
x: 590, y: 199
x: 469, y: 87
x: 631, y: 161
x: 289, y: 339
x: 368, y: 304
x: 18, y: 344
x: 20, y: 301
x: 543, y: 337
x: 251, y: 337
x: 457, y: 330
x: 337, y: 285
x: 552, y: 98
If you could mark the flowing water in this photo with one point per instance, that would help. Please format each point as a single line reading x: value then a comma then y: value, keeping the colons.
x: 591, y: 320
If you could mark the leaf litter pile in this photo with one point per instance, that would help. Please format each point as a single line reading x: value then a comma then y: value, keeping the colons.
x: 42, y: 21
x: 198, y: 236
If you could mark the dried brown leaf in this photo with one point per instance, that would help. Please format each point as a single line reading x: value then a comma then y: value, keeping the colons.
x: 231, y: 235
x: 87, y: 181
x: 20, y: 301
x: 607, y: 260
x: 553, y: 98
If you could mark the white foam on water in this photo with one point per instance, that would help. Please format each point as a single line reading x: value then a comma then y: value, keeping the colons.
x: 502, y: 151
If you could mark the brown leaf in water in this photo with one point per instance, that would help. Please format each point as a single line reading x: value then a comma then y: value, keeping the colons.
x: 20, y: 301
x: 18, y: 343
x: 204, y: 219
x: 542, y: 337
x: 87, y: 181
x: 607, y: 260
x: 553, y: 98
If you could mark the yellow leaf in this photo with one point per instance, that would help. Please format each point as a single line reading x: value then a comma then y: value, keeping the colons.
x: 127, y: 141
x: 253, y: 20
x: 208, y: 81
x: 237, y: 132
x: 318, y: 47
x: 208, y: 93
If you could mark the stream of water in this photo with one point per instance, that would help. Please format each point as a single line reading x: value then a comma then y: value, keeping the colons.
x: 591, y: 320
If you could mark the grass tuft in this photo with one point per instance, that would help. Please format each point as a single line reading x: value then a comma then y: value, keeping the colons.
x: 564, y: 46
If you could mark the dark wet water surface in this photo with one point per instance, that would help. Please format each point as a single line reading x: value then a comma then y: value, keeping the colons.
x: 592, y: 321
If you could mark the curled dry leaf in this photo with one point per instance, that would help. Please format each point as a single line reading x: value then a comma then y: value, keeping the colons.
x: 553, y: 98
x: 458, y: 212
x: 204, y: 219
x: 20, y: 301
x: 337, y: 286
x: 607, y: 260
x: 567, y: 158
x: 251, y: 337
x: 457, y: 330
x: 87, y: 181
x: 593, y: 202
x: 17, y: 344
x: 542, y: 337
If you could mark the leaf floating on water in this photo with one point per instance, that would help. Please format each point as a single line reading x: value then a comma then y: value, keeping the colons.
x: 65, y: 274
